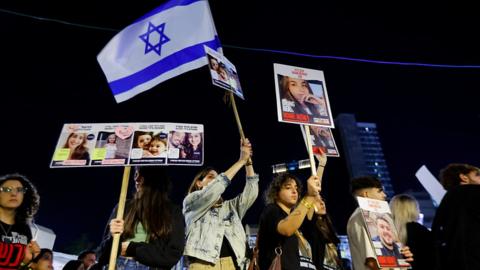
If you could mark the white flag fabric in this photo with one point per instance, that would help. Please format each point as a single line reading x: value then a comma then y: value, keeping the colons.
x: 164, y: 43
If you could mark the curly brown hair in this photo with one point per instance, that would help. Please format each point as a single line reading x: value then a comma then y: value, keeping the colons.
x: 31, y: 200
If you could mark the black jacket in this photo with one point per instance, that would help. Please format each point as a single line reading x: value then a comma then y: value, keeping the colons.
x: 456, y: 229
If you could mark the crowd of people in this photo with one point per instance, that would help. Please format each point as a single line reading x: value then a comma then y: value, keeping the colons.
x: 295, y: 229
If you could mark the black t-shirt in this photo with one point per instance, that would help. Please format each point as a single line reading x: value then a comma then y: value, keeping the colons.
x: 269, y: 239
x: 13, y: 244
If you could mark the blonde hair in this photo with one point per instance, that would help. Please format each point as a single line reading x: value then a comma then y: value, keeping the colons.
x: 404, y: 209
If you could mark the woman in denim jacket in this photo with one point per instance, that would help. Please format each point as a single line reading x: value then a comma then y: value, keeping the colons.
x: 215, y: 235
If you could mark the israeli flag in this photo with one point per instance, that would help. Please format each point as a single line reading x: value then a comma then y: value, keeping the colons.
x: 163, y: 44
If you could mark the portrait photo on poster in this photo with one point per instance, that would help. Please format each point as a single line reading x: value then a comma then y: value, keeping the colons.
x: 382, y: 232
x: 74, y: 146
x: 301, y: 96
x: 322, y: 140
x: 185, y: 144
x: 224, y: 74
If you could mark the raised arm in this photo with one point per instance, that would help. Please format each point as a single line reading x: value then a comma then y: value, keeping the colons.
x: 289, y: 225
x: 245, y: 155
x: 322, y: 162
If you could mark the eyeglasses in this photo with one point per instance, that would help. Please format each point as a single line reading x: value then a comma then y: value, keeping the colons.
x: 11, y: 189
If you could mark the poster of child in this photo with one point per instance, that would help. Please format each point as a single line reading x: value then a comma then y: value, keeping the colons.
x: 302, y: 96
x: 113, y: 144
x: 185, y: 144
x: 223, y: 72
x: 149, y: 144
x: 322, y: 141
x: 74, y: 146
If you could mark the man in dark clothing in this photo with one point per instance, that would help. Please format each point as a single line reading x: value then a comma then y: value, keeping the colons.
x: 457, y: 221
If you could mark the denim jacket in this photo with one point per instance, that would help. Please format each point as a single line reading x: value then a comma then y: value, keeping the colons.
x: 206, y: 226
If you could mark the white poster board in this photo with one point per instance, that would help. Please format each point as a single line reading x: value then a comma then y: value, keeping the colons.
x: 223, y: 72
x: 382, y: 233
x: 322, y: 141
x: 302, y: 96
x: 121, y: 144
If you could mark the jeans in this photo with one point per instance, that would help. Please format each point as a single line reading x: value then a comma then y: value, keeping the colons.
x: 124, y: 263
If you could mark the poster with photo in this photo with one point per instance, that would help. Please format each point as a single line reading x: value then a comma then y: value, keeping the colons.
x: 302, y: 96
x: 382, y: 232
x: 149, y: 144
x: 322, y: 140
x: 223, y: 72
x: 121, y: 144
x: 185, y: 144
x: 74, y: 146
x: 113, y: 142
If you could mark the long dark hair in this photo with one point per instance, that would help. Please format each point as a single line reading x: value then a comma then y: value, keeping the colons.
x: 285, y: 93
x: 325, y: 226
x: 150, y: 206
x: 31, y: 200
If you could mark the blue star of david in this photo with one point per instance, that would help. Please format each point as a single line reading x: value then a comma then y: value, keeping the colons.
x: 146, y: 38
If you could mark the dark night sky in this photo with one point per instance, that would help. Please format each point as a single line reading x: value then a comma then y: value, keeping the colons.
x: 424, y: 115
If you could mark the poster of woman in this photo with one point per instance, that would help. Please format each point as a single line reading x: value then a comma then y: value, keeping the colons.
x: 302, y: 96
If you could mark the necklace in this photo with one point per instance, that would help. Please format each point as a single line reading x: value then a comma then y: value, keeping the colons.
x: 6, y: 231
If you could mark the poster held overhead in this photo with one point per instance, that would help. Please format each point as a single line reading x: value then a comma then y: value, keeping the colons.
x: 322, y: 141
x: 223, y: 72
x: 121, y: 144
x: 302, y: 96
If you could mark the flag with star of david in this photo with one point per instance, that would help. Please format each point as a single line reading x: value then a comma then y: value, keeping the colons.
x: 162, y: 44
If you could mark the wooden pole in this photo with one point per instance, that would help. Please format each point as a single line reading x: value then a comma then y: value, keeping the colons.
x: 120, y: 211
x: 310, y: 150
x: 237, y: 117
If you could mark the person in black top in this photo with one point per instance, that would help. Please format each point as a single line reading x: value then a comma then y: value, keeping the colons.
x: 153, y: 228
x: 455, y: 228
x: 280, y: 222
x: 19, y: 202
x: 405, y: 214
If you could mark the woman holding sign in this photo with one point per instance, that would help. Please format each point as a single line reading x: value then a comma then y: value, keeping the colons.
x: 281, y: 219
x: 319, y: 231
x: 152, y: 229
x: 215, y: 235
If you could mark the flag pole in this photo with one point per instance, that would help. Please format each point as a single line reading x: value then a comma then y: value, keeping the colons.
x: 310, y: 150
x: 120, y: 211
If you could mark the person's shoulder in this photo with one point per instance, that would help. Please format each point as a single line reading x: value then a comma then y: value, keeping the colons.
x: 270, y: 209
x: 416, y: 226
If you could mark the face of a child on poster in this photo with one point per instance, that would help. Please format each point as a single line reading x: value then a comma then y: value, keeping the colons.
x: 223, y: 74
x: 385, y: 232
x: 76, y: 139
x: 143, y: 141
x: 111, y: 138
x: 157, y: 147
x: 298, y: 88
x: 195, y: 139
